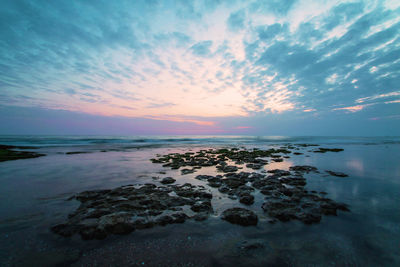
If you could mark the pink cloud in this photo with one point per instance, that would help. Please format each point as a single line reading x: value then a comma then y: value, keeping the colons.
x: 243, y: 127
x: 353, y: 108
x: 180, y: 119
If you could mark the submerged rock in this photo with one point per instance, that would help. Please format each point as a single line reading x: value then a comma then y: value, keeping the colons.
x: 240, y: 216
x: 324, y: 150
x: 304, y: 168
x: 338, y: 174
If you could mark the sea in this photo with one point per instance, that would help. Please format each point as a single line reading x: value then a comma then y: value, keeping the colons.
x: 35, y: 194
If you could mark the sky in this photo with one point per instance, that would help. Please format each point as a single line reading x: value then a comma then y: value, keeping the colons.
x: 272, y: 67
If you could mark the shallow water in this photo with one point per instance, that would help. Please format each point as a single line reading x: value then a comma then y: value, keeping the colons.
x: 34, y: 193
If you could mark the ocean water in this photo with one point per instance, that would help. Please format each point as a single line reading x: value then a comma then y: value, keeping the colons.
x: 34, y: 196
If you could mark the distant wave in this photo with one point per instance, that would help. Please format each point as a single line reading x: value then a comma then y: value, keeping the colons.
x: 146, y: 141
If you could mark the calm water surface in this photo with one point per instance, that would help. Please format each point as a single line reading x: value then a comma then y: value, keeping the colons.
x: 34, y: 193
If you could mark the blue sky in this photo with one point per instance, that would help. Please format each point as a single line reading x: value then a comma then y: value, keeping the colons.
x: 200, y: 67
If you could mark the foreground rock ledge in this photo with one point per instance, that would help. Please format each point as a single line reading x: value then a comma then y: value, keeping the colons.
x: 126, y: 208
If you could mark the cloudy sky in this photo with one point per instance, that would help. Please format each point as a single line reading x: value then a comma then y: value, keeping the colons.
x: 272, y: 67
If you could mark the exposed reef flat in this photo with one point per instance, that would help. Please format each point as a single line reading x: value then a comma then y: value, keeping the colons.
x: 10, y: 153
x: 124, y: 209
x: 284, y: 196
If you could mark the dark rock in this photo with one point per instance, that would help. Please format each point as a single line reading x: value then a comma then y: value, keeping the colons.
x: 240, y: 216
x: 77, y: 152
x: 142, y: 224
x: 214, y: 182
x: 251, y: 245
x: 247, y: 199
x: 227, y: 168
x: 279, y: 172
x: 324, y: 150
x: 187, y: 171
x: 338, y: 174
x: 168, y: 180
x: 254, y: 166
x: 303, y: 168
x: 164, y: 220
x: 201, y: 216
x: 65, y: 230
x: 9, y: 153
x: 104, y: 212
x: 202, y: 206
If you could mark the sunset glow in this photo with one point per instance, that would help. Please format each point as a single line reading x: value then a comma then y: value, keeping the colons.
x: 202, y: 63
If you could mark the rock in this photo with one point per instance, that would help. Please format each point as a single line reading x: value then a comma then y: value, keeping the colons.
x: 303, y: 168
x: 9, y: 153
x: 251, y: 245
x: 338, y: 174
x: 126, y: 208
x: 324, y: 150
x: 247, y: 199
x: 254, y: 166
x: 202, y: 206
x: 204, y: 177
x: 279, y: 172
x: 240, y: 216
x: 142, y: 223
x: 227, y: 168
x: 201, y: 216
x: 164, y: 220
x: 187, y: 171
x: 168, y: 180
x: 65, y: 230
x: 118, y: 223
x: 77, y: 152
x: 214, y: 182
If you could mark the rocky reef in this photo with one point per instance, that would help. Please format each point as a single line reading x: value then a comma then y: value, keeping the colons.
x: 284, y: 196
x: 10, y: 153
x: 124, y: 209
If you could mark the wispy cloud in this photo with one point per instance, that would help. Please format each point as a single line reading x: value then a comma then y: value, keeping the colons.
x: 353, y: 108
x: 374, y: 97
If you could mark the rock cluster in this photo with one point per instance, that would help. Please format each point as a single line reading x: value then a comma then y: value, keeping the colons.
x: 218, y: 157
x: 10, y: 153
x: 286, y: 198
x: 126, y: 208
